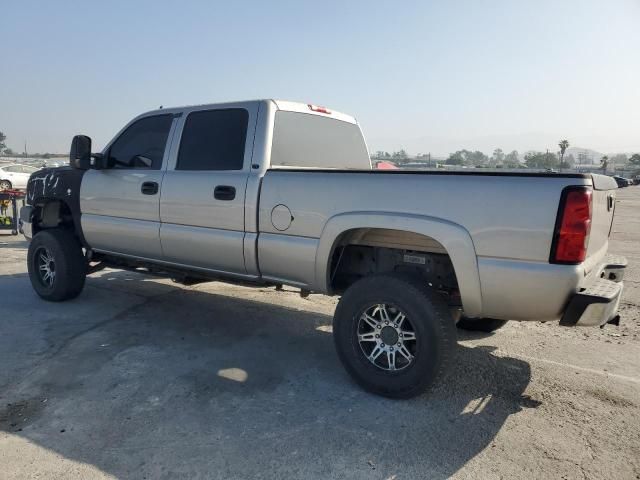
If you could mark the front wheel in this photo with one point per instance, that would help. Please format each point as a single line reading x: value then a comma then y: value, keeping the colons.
x: 5, y: 185
x: 394, y: 335
x: 57, y: 267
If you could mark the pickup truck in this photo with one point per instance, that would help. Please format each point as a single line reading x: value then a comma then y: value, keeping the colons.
x: 273, y: 192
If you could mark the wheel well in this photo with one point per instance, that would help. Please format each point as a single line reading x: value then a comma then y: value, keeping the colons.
x: 52, y: 214
x: 365, y: 251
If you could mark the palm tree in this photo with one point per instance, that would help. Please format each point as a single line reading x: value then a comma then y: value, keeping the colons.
x: 563, y: 144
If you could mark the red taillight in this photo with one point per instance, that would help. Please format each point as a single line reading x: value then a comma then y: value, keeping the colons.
x: 572, y: 226
x: 316, y: 108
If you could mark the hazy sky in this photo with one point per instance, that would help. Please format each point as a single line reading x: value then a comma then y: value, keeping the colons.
x: 424, y: 76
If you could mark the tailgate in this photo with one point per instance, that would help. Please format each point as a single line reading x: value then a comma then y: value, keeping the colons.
x: 603, y: 206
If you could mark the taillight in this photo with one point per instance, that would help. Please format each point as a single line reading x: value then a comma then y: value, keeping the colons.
x: 316, y: 108
x: 573, y: 225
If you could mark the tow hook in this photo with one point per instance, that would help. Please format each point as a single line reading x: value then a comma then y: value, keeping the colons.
x: 614, y: 321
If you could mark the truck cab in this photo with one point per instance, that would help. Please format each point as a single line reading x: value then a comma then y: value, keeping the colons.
x: 195, y: 203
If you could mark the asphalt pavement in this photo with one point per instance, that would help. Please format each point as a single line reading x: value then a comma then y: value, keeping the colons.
x: 142, y: 378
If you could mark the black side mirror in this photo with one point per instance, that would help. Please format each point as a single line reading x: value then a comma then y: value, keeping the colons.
x: 80, y: 154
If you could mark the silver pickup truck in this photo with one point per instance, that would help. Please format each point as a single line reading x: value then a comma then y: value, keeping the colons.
x: 272, y: 192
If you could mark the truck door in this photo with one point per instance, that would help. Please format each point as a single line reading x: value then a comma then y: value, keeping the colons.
x: 120, y: 206
x: 203, y: 192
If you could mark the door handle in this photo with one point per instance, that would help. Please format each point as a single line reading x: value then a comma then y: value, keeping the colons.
x: 149, y: 188
x: 224, y: 192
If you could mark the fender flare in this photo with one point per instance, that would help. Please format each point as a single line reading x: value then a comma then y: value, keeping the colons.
x: 42, y: 202
x: 453, y: 237
x: 62, y: 185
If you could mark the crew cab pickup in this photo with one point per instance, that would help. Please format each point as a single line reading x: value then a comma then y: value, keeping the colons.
x: 274, y: 192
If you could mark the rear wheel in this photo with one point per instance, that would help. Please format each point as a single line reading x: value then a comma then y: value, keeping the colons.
x: 481, y: 324
x: 5, y: 185
x: 57, y: 267
x: 394, y: 335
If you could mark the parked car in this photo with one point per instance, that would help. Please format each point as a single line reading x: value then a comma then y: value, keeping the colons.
x: 273, y: 192
x: 621, y: 181
x: 15, y: 176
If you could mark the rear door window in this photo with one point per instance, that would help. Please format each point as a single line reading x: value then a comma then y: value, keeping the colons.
x: 214, y: 140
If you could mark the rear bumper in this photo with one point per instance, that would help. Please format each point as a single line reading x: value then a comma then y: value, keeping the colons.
x: 614, y: 268
x: 598, y: 304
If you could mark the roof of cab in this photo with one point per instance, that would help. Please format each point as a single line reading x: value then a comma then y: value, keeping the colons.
x: 313, y: 110
x: 284, y: 105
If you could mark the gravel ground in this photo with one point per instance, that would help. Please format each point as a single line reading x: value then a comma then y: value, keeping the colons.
x: 141, y: 378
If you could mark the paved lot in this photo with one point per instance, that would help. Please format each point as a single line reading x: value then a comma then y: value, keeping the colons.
x: 140, y: 378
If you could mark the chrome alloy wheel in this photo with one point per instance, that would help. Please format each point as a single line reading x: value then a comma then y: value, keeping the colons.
x: 46, y: 267
x: 387, y: 337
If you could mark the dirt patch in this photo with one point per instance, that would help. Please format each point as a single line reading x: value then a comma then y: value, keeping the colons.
x: 611, y: 398
x: 17, y: 415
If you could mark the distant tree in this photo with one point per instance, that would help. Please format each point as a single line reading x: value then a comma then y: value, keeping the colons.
x: 511, y: 160
x: 635, y: 159
x: 3, y: 137
x: 498, y: 157
x: 381, y: 154
x: 456, y: 158
x: 619, y: 159
x: 400, y: 157
x: 563, y: 144
x: 541, y: 160
x: 604, y: 163
x: 569, y: 161
x: 467, y: 157
x: 8, y: 152
x: 477, y: 158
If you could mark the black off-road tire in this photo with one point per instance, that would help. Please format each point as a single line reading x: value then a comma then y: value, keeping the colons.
x: 487, y: 325
x: 70, y: 266
x: 5, y: 185
x: 434, y: 328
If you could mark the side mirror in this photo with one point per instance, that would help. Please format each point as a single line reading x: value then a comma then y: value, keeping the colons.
x: 80, y: 154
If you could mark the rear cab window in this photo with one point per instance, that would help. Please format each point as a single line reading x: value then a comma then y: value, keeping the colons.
x: 213, y: 140
x: 311, y: 141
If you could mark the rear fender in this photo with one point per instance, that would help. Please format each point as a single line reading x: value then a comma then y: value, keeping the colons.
x: 455, y: 239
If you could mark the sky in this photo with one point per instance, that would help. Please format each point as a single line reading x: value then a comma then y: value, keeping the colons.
x: 419, y: 75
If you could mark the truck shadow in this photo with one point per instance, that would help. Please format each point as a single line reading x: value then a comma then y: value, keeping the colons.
x: 183, y: 383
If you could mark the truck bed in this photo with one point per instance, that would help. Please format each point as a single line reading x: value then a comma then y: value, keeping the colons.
x: 507, y: 219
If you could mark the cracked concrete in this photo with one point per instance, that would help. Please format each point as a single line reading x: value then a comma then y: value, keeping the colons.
x: 141, y: 378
